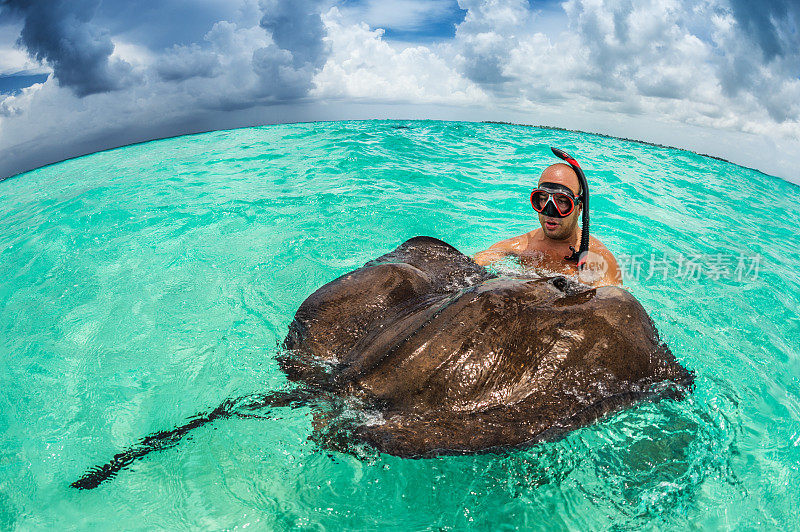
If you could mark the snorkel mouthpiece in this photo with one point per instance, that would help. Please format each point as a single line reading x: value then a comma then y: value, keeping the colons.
x: 581, y: 255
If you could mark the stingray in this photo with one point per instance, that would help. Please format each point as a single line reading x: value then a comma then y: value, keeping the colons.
x: 442, y: 356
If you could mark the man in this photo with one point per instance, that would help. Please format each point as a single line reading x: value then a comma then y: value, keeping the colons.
x: 557, y: 199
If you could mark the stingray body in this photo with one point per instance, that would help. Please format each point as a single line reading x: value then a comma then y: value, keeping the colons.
x: 455, y: 359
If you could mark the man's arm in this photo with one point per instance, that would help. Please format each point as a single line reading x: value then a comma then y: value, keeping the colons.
x: 613, y: 275
x: 498, y: 251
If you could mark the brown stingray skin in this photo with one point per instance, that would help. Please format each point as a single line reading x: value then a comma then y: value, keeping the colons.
x: 458, y: 360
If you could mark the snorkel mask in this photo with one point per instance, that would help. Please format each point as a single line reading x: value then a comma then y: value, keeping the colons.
x: 554, y: 200
x: 558, y: 200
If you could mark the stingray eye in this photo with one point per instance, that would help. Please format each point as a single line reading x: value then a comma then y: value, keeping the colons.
x: 560, y: 282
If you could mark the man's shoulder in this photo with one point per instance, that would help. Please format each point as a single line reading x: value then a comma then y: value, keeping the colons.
x: 596, y: 243
x: 515, y: 243
x: 598, y: 247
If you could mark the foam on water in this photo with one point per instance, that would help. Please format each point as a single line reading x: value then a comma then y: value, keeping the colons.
x: 144, y: 284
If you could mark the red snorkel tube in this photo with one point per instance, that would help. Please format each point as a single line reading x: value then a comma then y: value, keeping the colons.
x: 582, y: 254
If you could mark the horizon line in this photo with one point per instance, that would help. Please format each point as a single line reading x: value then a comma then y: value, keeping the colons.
x: 498, y: 122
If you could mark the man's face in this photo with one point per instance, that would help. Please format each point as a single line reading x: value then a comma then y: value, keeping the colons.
x: 560, y: 228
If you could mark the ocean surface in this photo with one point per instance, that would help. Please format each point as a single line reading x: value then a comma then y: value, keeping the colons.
x: 142, y: 285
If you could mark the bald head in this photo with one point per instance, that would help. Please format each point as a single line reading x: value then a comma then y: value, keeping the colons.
x: 562, y: 174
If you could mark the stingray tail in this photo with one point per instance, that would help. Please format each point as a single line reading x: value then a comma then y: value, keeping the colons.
x: 240, y: 407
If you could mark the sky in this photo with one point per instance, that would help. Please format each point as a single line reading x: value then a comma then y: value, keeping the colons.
x: 720, y: 77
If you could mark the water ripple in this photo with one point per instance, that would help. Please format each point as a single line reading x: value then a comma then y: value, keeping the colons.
x: 143, y: 284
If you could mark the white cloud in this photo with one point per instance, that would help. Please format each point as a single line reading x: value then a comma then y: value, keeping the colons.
x: 134, y: 54
x: 14, y: 60
x: 18, y: 104
x: 363, y: 66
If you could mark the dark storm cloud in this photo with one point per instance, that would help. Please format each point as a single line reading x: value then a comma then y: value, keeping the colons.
x: 296, y: 27
x: 774, y: 25
x: 184, y: 62
x: 485, y: 67
x: 161, y: 24
x: 286, y: 69
x: 67, y: 36
x: 660, y: 87
x: 279, y: 80
x: 769, y: 39
x: 62, y: 34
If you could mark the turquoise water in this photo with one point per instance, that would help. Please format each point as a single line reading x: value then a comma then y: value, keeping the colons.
x: 144, y: 284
